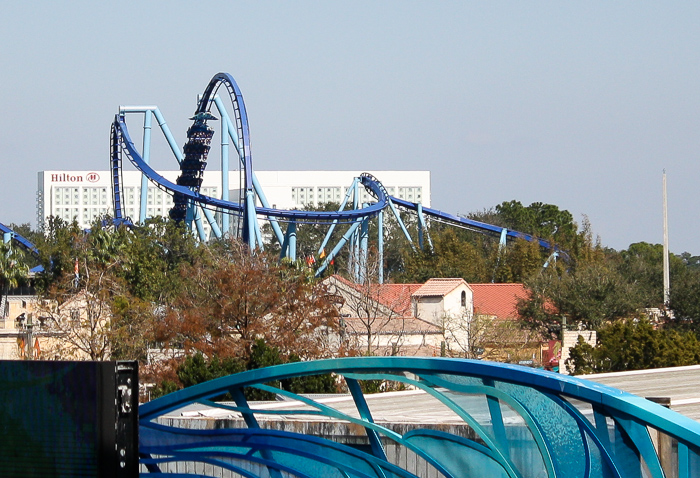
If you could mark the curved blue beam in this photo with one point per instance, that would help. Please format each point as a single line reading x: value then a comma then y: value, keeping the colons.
x: 25, y: 243
x: 657, y: 416
x: 191, y: 193
x: 551, y: 405
x: 480, y: 226
x: 240, y: 115
x: 303, y: 216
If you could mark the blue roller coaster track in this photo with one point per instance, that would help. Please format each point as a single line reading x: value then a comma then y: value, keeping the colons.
x: 11, y: 236
x: 513, y: 422
x: 191, y: 205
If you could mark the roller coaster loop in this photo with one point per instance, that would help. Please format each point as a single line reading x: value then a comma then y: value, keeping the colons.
x: 191, y: 205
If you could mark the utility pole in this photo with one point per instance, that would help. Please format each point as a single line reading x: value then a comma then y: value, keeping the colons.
x: 667, y: 280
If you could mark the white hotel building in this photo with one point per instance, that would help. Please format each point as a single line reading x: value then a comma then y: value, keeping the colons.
x: 85, y: 195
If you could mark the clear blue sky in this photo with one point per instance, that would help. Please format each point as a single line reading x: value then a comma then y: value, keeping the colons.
x: 578, y: 104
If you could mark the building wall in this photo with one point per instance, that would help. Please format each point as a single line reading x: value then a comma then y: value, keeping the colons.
x: 453, y: 302
x: 14, y: 333
x: 430, y: 309
x: 85, y: 195
x: 435, y: 309
x: 570, y: 339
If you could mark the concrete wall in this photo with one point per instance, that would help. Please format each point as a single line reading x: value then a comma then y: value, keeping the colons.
x: 570, y: 339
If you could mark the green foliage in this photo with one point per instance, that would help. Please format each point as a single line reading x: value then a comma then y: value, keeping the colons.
x: 539, y: 219
x: 582, y: 358
x: 685, y: 300
x: 634, y: 344
x: 13, y: 269
x: 591, y: 295
x: 163, y: 388
x: 153, y: 256
x: 642, y: 263
x: 196, y: 369
x: 58, y: 247
x: 451, y: 257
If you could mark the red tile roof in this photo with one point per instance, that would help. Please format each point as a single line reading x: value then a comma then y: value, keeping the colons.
x: 397, y: 297
x: 394, y: 326
x: 498, y: 299
x: 439, y: 287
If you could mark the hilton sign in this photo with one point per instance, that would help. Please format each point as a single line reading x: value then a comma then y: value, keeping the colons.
x: 70, y: 178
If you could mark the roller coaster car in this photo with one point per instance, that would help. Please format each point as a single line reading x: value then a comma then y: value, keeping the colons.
x: 189, y: 181
x: 195, y: 165
x: 196, y: 148
x: 203, y: 116
x: 178, y: 213
x: 200, y: 131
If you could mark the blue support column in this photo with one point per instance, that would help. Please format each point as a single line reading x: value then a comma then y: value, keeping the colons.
x: 364, y: 256
x: 419, y: 211
x: 346, y: 237
x: 401, y: 224
x: 258, y: 234
x: 168, y: 135
x: 683, y: 461
x: 197, y: 219
x: 366, y: 415
x: 225, y: 216
x: 265, y: 203
x: 380, y: 246
x: 250, y: 220
x: 499, y: 428
x: 502, y: 241
x: 422, y: 228
x: 356, y: 237
x: 215, y: 229
x: 146, y: 159
x: 292, y: 233
x: 335, y: 221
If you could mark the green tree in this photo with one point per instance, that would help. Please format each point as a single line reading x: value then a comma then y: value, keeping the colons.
x: 13, y: 271
x: 642, y: 264
x: 451, y: 257
x: 230, y: 298
x: 590, y: 295
x: 685, y: 300
x: 634, y: 344
x: 86, y: 298
x: 196, y: 369
x: 539, y: 219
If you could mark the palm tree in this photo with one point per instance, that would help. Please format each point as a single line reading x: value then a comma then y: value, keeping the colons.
x: 13, y: 270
